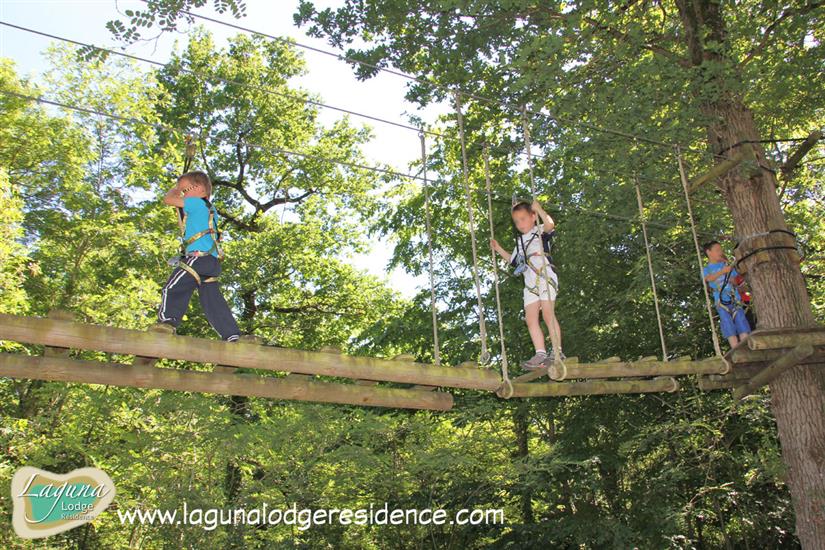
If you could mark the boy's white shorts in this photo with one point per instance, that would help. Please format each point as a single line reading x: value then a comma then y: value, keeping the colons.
x: 545, y: 290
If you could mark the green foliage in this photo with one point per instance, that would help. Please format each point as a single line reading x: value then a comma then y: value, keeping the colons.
x: 85, y: 230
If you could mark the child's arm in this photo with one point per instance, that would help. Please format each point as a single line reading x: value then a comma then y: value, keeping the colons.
x: 498, y: 248
x: 174, y: 197
x: 546, y: 220
x: 713, y: 276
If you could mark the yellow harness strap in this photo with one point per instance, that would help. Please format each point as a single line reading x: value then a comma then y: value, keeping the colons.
x: 540, y: 275
x: 189, y: 269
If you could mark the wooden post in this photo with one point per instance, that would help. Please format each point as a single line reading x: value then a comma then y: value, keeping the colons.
x: 715, y: 365
x: 769, y: 373
x: 112, y: 374
x: 601, y: 387
x: 63, y: 315
x: 32, y: 330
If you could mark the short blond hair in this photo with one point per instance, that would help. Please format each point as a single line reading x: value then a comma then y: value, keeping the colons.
x: 199, y: 178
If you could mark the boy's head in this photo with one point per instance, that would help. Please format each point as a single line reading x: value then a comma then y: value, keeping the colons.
x: 713, y: 250
x: 195, y: 184
x: 523, y: 216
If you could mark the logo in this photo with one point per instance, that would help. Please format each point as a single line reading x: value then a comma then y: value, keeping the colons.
x: 46, y: 504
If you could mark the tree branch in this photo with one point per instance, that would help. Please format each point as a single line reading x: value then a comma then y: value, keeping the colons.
x: 766, y: 37
x: 285, y: 199
x: 240, y: 224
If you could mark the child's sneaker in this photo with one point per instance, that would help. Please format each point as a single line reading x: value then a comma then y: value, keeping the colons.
x: 551, y: 357
x: 535, y: 362
x: 163, y: 328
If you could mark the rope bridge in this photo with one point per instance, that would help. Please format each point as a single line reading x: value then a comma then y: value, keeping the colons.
x: 328, y: 376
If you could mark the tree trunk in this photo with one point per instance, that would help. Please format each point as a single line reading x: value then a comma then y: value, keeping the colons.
x: 521, y: 427
x: 798, y: 396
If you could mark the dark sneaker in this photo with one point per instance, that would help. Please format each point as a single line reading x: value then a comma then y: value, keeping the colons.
x: 163, y: 328
x: 551, y: 358
x: 535, y: 362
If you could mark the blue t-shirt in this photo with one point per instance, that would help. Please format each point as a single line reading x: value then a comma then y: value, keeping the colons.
x: 731, y: 294
x: 197, y: 220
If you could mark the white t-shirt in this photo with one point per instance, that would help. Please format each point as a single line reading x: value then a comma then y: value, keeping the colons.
x: 531, y: 244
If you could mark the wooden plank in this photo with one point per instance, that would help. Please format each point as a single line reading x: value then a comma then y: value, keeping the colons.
x: 538, y: 373
x: 113, y: 374
x: 786, y: 338
x: 600, y: 387
x: 33, y: 330
x: 713, y: 365
x: 743, y: 355
x: 769, y: 373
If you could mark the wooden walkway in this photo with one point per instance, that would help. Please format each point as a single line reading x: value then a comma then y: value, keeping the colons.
x: 353, y: 380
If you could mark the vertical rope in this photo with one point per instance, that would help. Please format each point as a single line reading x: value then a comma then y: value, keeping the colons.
x: 482, y: 327
x: 428, y: 218
x: 528, y: 147
x: 505, y: 372
x: 650, y: 269
x: 683, y: 177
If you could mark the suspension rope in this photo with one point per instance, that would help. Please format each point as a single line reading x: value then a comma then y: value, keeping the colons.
x: 505, y: 374
x: 528, y: 146
x: 482, y: 328
x: 428, y: 219
x: 683, y: 177
x: 650, y: 270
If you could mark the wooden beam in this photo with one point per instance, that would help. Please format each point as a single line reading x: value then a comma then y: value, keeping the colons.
x: 786, y: 338
x: 33, y: 330
x: 721, y: 382
x: 769, y: 373
x: 601, y: 387
x: 113, y: 374
x: 795, y: 157
x: 743, y: 355
x: 719, y: 170
x: 62, y: 315
x: 713, y: 365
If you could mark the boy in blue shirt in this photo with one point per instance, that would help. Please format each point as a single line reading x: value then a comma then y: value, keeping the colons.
x: 199, y: 264
x: 720, y: 276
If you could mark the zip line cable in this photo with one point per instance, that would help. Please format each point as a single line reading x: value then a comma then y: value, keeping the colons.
x: 264, y: 89
x: 203, y: 78
x: 442, y: 87
x: 417, y: 177
x: 157, y: 125
x: 272, y: 91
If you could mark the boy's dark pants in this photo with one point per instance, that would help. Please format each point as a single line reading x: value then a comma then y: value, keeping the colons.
x: 178, y: 290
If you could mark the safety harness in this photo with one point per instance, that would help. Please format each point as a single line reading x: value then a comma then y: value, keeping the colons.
x: 522, y: 261
x: 733, y: 305
x: 212, y: 230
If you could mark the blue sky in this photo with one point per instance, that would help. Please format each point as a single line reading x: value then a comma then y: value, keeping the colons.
x: 382, y: 96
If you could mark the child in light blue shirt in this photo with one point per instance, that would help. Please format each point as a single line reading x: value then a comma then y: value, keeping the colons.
x: 720, y: 276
